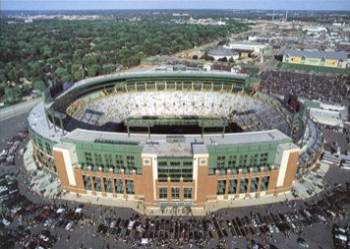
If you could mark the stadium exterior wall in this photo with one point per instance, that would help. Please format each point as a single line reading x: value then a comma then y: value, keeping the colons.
x: 144, y: 183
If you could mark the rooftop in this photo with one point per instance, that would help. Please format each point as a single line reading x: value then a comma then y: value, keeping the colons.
x: 165, y: 145
x: 220, y: 51
x: 318, y: 54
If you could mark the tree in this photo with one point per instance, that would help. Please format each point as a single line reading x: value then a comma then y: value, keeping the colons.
x: 108, y: 68
x: 12, y: 94
x: 45, y: 50
x: 61, y: 72
x: 92, y: 70
x: 38, y: 84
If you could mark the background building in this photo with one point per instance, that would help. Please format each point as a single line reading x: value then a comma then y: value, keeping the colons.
x: 246, y: 48
x: 316, y: 58
x: 220, y: 53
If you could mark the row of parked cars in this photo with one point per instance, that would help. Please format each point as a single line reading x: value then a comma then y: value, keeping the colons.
x: 165, y: 231
x: 51, y: 218
x: 199, y: 231
x: 176, y: 231
x: 23, y: 215
x: 8, y: 154
x: 341, y: 237
x: 8, y: 187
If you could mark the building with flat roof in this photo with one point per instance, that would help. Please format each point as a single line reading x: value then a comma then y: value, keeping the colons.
x: 221, y: 53
x: 317, y: 58
x: 253, y: 47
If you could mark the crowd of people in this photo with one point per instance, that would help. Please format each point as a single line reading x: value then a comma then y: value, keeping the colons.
x: 118, y: 107
x: 251, y: 113
x: 329, y: 89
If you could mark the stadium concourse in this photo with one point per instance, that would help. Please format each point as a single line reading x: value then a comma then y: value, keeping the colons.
x: 171, y: 139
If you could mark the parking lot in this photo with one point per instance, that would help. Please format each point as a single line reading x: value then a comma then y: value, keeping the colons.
x: 31, y: 221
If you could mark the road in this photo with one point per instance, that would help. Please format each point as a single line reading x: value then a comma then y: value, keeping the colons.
x: 17, y: 109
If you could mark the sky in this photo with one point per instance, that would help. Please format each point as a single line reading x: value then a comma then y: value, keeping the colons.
x: 174, y: 4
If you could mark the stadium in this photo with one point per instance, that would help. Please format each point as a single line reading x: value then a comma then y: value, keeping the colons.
x: 167, y: 139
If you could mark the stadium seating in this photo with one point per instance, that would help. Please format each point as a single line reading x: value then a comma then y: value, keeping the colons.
x: 250, y: 113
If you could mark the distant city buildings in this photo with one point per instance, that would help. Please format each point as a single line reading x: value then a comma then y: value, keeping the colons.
x: 206, y: 21
x: 314, y: 29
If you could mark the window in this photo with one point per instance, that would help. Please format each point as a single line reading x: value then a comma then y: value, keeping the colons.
x: 163, y: 193
x: 97, y: 183
x: 175, y: 193
x: 162, y: 163
x: 175, y: 164
x: 130, y: 164
x: 163, y: 175
x: 232, y: 186
x: 242, y: 161
x: 48, y: 148
x: 88, y: 158
x: 263, y: 159
x: 264, y: 183
x: 98, y: 159
x: 129, y: 186
x: 87, y: 182
x: 118, y: 186
x: 254, y: 184
x: 221, y: 187
x: 232, y: 161
x: 108, y: 160
x: 175, y: 170
x: 187, y: 164
x: 187, y: 193
x: 253, y: 160
x: 221, y: 161
x: 187, y: 174
x: 119, y: 162
x: 130, y: 161
x: 243, y: 186
x: 175, y: 174
x: 108, y: 184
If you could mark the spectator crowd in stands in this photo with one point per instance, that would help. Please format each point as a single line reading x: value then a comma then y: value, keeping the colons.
x: 251, y: 113
x: 329, y: 89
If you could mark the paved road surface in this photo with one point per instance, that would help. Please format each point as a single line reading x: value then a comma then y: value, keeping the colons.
x: 18, y: 109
